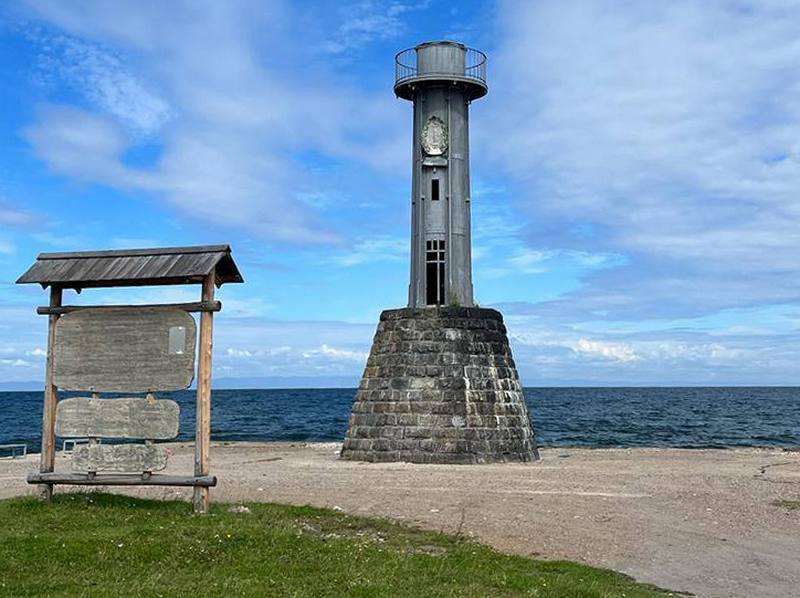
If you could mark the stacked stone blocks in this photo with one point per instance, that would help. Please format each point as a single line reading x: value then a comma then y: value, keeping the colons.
x: 440, y: 386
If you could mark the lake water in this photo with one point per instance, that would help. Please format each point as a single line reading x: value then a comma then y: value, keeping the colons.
x: 596, y: 417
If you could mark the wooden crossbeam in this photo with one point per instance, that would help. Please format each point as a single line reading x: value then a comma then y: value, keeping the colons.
x: 198, y: 306
x: 203, y: 481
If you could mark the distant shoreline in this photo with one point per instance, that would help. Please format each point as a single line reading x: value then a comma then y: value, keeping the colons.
x: 36, y: 386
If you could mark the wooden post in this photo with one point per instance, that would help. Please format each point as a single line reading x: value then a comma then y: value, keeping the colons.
x: 48, y: 457
x: 203, y: 409
x: 148, y: 442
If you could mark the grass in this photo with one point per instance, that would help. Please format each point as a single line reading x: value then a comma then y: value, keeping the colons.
x: 111, y: 545
x: 789, y: 505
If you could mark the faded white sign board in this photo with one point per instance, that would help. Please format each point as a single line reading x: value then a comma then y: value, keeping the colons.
x: 117, y: 418
x: 119, y: 458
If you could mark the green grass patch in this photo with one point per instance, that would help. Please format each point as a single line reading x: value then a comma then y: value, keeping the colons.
x: 110, y: 545
x: 789, y: 505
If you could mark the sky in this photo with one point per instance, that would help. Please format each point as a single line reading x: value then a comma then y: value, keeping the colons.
x: 636, y: 169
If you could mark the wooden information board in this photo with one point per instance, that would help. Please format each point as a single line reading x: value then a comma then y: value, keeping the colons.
x: 128, y: 349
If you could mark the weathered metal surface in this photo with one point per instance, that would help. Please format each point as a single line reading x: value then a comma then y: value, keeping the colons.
x: 117, y: 418
x: 134, y: 267
x: 68, y: 444
x: 121, y: 479
x: 442, y: 62
x: 441, y: 180
x: 119, y: 458
x: 125, y: 349
x: 441, y: 58
x: 15, y: 451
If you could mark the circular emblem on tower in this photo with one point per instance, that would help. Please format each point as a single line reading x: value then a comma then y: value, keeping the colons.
x: 434, y: 137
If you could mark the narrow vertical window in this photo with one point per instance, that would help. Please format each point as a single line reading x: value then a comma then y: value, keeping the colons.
x: 434, y: 272
x: 441, y: 273
x: 435, y: 189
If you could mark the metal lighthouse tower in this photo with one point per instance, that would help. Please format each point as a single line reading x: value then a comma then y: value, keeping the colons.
x: 441, y: 79
x: 440, y: 384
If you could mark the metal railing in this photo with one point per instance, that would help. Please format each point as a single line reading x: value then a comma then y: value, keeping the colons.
x: 15, y: 451
x: 73, y: 443
x: 474, y: 65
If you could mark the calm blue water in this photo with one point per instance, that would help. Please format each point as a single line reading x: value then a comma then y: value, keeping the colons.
x: 600, y: 417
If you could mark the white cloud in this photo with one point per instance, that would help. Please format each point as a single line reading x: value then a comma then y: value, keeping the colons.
x: 16, y: 363
x: 658, y: 348
x: 592, y: 348
x: 370, y: 20
x: 337, y: 353
x: 615, y: 351
x: 59, y: 241
x: 230, y: 122
x: 375, y: 249
x: 104, y: 79
x: 550, y: 353
x: 670, y: 129
x: 77, y: 143
x: 537, y: 261
x: 527, y: 258
x: 533, y: 261
x: 15, y: 218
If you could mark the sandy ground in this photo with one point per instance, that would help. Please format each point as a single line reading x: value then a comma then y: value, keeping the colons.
x: 694, y: 520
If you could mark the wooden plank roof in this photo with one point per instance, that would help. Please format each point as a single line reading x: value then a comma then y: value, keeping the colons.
x: 133, y: 267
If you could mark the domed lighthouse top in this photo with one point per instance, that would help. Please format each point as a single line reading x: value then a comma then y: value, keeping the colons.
x: 440, y: 61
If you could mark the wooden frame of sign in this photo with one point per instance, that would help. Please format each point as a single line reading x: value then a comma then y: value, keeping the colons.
x: 127, y: 349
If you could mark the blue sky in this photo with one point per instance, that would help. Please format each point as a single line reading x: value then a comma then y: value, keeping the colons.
x: 636, y: 169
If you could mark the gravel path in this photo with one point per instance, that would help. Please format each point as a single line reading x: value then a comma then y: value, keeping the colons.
x: 695, y: 520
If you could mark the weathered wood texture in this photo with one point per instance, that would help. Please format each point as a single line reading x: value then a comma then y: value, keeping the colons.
x: 203, y: 403
x: 48, y: 456
x: 119, y: 458
x: 191, y: 307
x: 121, y: 480
x: 124, y: 349
x: 117, y: 418
x: 133, y: 267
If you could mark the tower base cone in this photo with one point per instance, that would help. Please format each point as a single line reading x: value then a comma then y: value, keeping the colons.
x: 440, y: 386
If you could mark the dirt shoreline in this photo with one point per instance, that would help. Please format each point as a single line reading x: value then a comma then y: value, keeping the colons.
x: 701, y: 520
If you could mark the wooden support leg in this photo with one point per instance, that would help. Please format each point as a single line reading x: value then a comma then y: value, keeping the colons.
x: 203, y: 409
x: 48, y: 456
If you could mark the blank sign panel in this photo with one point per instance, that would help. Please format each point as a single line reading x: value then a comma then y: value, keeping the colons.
x: 82, y: 417
x: 124, y: 349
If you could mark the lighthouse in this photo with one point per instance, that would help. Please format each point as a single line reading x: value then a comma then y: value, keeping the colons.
x: 440, y: 384
x: 441, y: 79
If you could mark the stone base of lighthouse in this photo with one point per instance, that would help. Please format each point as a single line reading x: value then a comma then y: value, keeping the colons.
x: 440, y: 386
